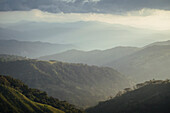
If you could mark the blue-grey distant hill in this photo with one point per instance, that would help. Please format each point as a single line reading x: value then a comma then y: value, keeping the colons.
x: 150, y: 62
x: 139, y: 64
x: 31, y: 49
x: 95, y: 57
x: 85, y: 35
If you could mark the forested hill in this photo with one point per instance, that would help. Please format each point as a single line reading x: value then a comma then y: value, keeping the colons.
x: 79, y: 84
x: 16, y: 97
x: 149, y: 97
x: 6, y: 57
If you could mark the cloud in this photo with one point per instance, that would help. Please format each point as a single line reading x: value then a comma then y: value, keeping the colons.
x: 145, y: 18
x: 83, y: 6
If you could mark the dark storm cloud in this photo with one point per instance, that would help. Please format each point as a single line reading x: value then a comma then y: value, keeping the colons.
x: 80, y: 6
x: 129, y: 5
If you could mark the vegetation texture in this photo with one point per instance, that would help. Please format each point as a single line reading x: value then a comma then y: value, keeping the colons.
x: 79, y: 84
x: 149, y: 97
x: 5, y: 57
x: 16, y: 97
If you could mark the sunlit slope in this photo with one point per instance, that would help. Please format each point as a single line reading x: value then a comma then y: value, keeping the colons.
x: 79, y: 84
x: 25, y: 95
x: 13, y: 101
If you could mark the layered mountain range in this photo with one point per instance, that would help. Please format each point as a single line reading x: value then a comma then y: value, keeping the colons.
x: 79, y: 84
x: 140, y: 64
x: 31, y: 49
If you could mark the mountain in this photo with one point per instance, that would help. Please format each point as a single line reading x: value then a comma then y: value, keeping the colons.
x: 5, y: 57
x: 79, y: 84
x: 159, y: 43
x: 149, y: 97
x: 151, y: 62
x: 31, y: 49
x: 84, y: 35
x: 139, y: 64
x: 95, y: 57
x: 16, y: 97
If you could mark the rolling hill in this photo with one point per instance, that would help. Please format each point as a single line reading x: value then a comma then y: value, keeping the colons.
x: 31, y: 49
x: 79, y: 84
x: 151, y: 62
x: 16, y: 97
x: 95, y: 57
x: 14, y: 102
x: 5, y: 57
x: 159, y: 43
x: 139, y: 64
x: 149, y: 97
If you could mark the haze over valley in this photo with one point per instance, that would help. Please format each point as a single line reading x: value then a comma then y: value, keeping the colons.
x: 84, y: 56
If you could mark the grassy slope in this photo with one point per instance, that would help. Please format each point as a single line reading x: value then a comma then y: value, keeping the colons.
x: 14, y: 102
x: 37, y: 95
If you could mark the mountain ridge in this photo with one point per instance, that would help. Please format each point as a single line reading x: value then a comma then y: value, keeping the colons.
x: 148, y: 97
x: 31, y: 49
x: 94, y: 57
x: 139, y: 64
x: 78, y: 84
x: 154, y: 60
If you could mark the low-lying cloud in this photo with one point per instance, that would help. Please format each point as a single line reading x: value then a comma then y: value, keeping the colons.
x: 145, y: 18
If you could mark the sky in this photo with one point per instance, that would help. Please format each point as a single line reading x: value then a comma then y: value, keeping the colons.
x: 83, y: 6
x: 145, y: 18
x: 140, y: 14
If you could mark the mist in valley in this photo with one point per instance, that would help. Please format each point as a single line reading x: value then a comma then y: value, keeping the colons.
x: 89, y: 56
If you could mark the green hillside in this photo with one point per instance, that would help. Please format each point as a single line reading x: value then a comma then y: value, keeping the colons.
x: 16, y: 97
x: 149, y: 97
x: 5, y: 57
x: 13, y: 101
x: 79, y: 84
